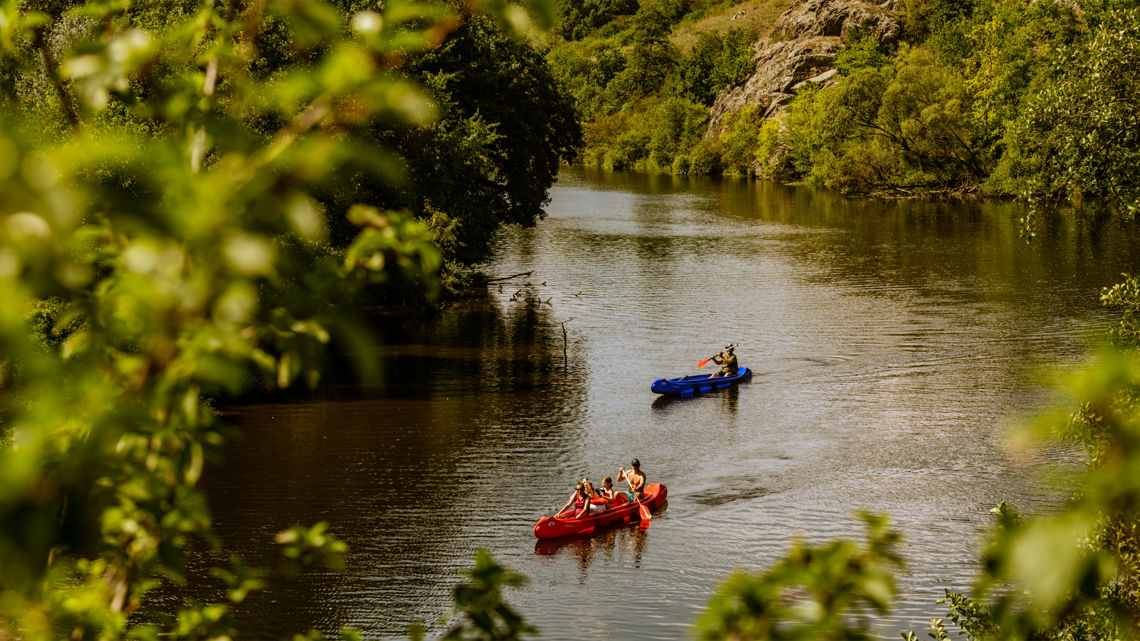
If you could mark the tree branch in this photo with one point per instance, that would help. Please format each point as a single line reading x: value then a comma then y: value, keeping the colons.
x: 492, y: 280
x: 52, y: 70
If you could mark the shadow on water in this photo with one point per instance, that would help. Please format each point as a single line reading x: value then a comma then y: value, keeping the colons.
x: 730, y: 490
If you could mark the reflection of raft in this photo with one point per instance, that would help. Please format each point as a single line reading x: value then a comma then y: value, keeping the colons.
x: 552, y: 527
x: 698, y: 383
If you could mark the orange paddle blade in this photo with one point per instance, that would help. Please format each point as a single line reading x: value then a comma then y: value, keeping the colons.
x: 704, y: 362
x: 646, y: 516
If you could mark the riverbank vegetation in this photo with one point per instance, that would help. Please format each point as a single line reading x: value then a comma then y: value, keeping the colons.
x: 1018, y: 99
x: 1002, y: 97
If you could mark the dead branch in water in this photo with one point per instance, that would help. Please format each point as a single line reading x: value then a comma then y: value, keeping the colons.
x: 565, y: 355
x: 494, y: 280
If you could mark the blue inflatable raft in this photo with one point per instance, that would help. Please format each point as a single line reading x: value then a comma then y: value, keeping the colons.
x: 698, y: 383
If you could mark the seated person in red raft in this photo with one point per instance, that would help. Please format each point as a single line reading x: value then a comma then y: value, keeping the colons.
x: 579, y: 503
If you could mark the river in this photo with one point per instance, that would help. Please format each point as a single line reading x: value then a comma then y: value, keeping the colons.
x: 893, y: 345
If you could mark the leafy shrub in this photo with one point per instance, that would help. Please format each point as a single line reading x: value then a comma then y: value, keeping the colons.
x: 740, y: 139
x: 578, y: 18
x: 863, y: 51
x: 677, y: 126
x: 716, y: 61
x: 705, y: 158
x: 1080, y: 130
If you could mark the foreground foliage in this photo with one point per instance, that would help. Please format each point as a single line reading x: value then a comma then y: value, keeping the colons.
x: 172, y: 231
x: 815, y: 592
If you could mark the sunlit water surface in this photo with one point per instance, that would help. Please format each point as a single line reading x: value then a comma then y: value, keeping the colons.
x: 893, y: 344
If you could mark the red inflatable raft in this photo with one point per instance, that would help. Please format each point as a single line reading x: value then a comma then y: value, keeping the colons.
x: 552, y: 527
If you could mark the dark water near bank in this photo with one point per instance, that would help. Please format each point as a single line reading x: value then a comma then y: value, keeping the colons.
x: 893, y: 343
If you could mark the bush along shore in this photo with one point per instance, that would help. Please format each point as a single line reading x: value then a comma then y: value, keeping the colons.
x: 896, y: 97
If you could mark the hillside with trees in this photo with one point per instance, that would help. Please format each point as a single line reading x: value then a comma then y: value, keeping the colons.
x: 997, y: 97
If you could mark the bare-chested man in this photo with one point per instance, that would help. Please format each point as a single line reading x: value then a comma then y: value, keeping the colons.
x: 636, y: 479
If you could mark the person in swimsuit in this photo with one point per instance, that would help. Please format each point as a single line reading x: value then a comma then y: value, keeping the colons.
x: 578, y: 505
x: 635, y: 478
x: 606, y: 492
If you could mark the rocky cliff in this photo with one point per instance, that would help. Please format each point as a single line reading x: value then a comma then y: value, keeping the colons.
x: 802, y: 50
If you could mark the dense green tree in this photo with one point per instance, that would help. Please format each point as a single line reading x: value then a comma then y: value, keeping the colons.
x: 814, y: 592
x: 740, y: 139
x: 651, y: 56
x: 715, y: 62
x: 938, y: 19
x: 863, y: 51
x: 499, y: 91
x: 503, y: 127
x: 578, y: 18
x: 695, y: 69
x: 1079, y: 135
x: 585, y: 71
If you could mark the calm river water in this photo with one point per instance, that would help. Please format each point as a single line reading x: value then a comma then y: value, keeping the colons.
x: 892, y: 343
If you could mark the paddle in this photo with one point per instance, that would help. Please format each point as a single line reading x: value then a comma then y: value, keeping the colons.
x: 705, y: 362
x: 646, y: 515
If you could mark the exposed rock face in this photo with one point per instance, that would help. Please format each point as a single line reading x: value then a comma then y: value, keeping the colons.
x: 802, y: 51
x: 781, y: 68
x: 839, y: 18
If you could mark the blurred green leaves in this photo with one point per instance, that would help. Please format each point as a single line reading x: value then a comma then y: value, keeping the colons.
x: 814, y: 592
x: 164, y: 225
x: 312, y: 546
x: 485, y: 616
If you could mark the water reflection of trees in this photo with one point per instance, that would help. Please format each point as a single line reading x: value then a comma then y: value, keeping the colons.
x: 976, y: 241
x: 469, y: 401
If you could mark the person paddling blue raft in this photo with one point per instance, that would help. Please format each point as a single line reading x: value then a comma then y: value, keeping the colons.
x: 727, y: 362
x: 730, y: 373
